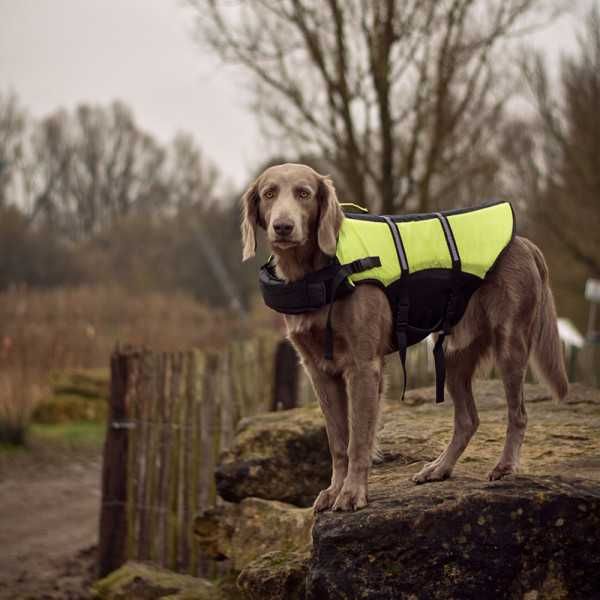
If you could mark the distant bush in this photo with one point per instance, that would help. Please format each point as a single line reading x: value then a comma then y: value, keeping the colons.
x: 74, y: 395
x: 48, y: 336
x: 33, y: 256
x: 18, y: 397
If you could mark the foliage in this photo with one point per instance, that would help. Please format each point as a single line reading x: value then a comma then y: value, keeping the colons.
x: 19, y: 393
x: 62, y: 331
x: 75, y: 395
x: 33, y: 256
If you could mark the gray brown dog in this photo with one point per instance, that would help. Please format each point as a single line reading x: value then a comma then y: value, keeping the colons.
x: 510, y: 319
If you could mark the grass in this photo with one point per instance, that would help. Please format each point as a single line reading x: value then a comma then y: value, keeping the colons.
x: 72, y: 435
x: 78, y: 435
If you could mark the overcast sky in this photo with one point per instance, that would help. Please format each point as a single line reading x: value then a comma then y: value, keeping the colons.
x: 60, y: 52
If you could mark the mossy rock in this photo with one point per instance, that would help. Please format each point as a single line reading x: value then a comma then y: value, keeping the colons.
x: 89, y: 383
x: 276, y: 576
x: 243, y: 532
x: 277, y: 456
x: 143, y: 581
x: 522, y: 537
x: 76, y: 395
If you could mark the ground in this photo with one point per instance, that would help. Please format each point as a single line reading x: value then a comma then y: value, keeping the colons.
x: 49, y: 513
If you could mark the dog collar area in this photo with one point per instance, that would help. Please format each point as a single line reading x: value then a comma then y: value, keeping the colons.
x: 315, y: 290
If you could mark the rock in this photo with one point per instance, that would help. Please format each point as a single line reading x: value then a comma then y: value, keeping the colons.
x: 245, y: 531
x: 523, y: 537
x: 143, y: 581
x: 275, y: 576
x: 284, y: 456
x: 277, y: 456
x: 533, y: 537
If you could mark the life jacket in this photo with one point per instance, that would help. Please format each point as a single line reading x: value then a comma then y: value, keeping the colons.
x: 428, y: 265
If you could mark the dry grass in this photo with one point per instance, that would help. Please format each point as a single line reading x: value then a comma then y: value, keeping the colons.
x: 66, y: 328
x: 19, y: 395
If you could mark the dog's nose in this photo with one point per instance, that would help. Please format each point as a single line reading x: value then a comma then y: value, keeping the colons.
x: 283, y: 228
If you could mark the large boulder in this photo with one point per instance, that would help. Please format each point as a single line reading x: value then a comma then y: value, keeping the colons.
x: 243, y: 532
x: 523, y: 537
x: 284, y: 456
x: 533, y: 536
x: 277, y: 456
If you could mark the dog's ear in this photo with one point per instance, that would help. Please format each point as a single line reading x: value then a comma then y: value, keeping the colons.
x: 330, y: 217
x: 249, y: 221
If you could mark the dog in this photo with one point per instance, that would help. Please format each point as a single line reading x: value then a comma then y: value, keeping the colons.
x: 510, y: 319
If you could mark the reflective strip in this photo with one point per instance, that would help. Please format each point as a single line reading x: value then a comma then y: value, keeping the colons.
x: 398, y: 244
x: 450, y: 240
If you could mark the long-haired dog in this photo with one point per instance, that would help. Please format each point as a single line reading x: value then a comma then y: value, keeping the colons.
x: 510, y: 318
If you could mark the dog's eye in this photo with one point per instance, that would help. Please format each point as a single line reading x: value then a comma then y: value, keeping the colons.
x: 304, y: 194
x: 269, y: 194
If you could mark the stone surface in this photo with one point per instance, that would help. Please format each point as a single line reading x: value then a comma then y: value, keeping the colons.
x: 275, y: 576
x: 522, y: 537
x: 535, y: 536
x: 245, y: 531
x: 284, y: 456
x: 143, y: 581
x: 278, y: 456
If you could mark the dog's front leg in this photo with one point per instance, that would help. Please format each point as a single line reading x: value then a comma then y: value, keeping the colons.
x: 331, y: 392
x: 363, y: 382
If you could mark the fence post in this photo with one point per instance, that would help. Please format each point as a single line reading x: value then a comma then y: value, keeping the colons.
x: 113, y: 516
x: 285, y: 375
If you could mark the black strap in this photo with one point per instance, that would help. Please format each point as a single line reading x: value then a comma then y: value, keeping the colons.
x: 401, y: 321
x: 402, y: 333
x: 357, y: 266
x: 439, y: 358
x: 297, y: 297
x: 402, y: 308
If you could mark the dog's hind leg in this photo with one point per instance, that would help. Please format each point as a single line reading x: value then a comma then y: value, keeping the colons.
x: 511, y: 359
x: 460, y: 367
x: 331, y: 392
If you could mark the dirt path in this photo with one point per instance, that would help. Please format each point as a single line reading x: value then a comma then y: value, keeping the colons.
x: 49, y: 509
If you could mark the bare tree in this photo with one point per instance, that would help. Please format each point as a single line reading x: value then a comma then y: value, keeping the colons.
x: 557, y: 160
x: 45, y: 169
x: 116, y: 167
x: 13, y: 122
x: 401, y: 98
x: 191, y: 178
x: 87, y: 169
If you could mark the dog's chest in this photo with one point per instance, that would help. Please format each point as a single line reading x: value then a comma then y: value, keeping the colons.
x: 307, y: 333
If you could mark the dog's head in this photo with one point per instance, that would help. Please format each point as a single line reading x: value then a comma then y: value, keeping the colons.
x: 295, y: 206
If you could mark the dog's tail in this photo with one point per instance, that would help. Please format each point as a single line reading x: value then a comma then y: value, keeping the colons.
x: 547, y: 356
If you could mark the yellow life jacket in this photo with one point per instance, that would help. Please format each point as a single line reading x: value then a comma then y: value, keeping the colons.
x: 428, y: 265
x: 479, y: 235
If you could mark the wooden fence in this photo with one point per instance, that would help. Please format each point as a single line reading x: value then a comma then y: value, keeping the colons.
x: 170, y: 416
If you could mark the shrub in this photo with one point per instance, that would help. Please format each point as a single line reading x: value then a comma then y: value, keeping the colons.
x: 18, y: 396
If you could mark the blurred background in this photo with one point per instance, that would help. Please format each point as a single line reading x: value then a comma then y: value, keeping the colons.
x: 129, y: 131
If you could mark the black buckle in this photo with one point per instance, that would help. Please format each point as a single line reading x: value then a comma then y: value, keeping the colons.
x: 364, y: 264
x: 402, y: 316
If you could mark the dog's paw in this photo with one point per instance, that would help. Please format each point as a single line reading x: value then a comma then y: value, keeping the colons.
x: 326, y: 499
x: 432, y: 472
x: 351, y: 498
x: 502, y: 470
